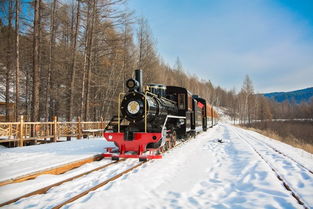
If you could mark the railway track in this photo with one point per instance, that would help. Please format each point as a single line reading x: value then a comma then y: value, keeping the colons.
x: 285, y: 183
x: 71, y: 179
x: 279, y: 152
x: 53, y: 170
x: 45, y: 189
x: 99, y: 185
x: 103, y: 183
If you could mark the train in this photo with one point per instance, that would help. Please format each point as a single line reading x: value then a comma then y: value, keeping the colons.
x: 151, y: 119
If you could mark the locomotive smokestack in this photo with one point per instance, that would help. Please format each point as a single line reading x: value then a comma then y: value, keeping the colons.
x: 138, y: 77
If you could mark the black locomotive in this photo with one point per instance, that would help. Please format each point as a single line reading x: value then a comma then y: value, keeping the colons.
x: 154, y: 118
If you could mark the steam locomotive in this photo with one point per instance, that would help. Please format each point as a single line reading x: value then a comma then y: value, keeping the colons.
x: 153, y: 119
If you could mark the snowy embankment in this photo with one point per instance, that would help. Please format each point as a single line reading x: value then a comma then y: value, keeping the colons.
x: 19, y: 161
x: 201, y: 173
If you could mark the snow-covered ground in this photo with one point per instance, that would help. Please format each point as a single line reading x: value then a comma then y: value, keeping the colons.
x: 201, y: 173
x: 19, y: 161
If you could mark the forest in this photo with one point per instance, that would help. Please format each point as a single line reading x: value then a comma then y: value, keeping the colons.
x: 70, y: 59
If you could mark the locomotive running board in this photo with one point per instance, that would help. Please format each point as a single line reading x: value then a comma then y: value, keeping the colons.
x: 118, y: 156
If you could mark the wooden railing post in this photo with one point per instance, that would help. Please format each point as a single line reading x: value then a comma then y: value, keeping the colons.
x: 70, y: 128
x: 79, y: 128
x: 55, y: 129
x: 212, y: 112
x: 10, y: 135
x: 10, y: 131
x: 102, y: 123
x: 21, y: 134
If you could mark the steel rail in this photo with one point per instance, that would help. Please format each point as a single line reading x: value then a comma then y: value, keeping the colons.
x: 45, y: 189
x: 98, y: 186
x: 294, y: 194
x: 52, y: 170
x: 279, y: 152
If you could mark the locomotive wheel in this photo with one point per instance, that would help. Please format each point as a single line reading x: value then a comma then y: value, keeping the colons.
x: 166, y: 146
x: 115, y: 158
x: 187, y: 137
x: 162, y: 149
x: 159, y: 151
x: 143, y: 159
x: 173, y: 139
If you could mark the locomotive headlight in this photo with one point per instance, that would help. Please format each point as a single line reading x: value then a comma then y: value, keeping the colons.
x: 133, y: 107
x: 132, y: 84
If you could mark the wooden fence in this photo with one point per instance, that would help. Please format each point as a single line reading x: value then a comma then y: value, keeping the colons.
x: 19, y: 133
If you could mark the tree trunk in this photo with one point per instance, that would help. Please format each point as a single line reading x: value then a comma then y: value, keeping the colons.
x: 17, y: 48
x: 89, y: 57
x: 73, y: 64
x: 82, y: 111
x: 27, y: 94
x: 36, y: 64
x: 9, y: 63
x: 51, y: 55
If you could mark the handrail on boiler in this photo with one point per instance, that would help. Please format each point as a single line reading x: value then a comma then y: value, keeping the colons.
x: 119, y: 111
x: 153, y: 95
x: 146, y: 92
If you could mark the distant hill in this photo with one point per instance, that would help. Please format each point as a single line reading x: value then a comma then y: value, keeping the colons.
x: 298, y: 96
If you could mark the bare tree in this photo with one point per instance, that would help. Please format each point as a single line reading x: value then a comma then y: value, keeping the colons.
x: 9, y: 59
x: 36, y: 64
x: 89, y: 56
x: 147, y: 59
x: 247, y: 92
x: 91, y: 40
x: 17, y: 59
x: 73, y: 64
x: 50, y: 59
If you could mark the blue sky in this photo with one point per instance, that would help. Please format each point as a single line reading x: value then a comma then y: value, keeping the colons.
x: 223, y: 40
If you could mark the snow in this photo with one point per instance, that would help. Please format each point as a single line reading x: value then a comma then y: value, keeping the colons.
x: 19, y: 161
x: 295, y: 153
x: 201, y: 173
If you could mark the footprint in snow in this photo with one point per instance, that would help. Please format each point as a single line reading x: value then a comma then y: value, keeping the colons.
x: 215, y: 181
x: 300, y: 184
x: 283, y: 202
x: 261, y: 175
x: 193, y: 201
x: 246, y: 187
x: 305, y: 176
x: 174, y: 194
x: 236, y: 200
x: 200, y: 192
x: 125, y: 176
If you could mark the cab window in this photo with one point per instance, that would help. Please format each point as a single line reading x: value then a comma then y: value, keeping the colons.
x: 181, y: 101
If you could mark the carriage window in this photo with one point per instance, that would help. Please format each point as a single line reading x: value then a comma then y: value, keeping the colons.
x: 181, y: 101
